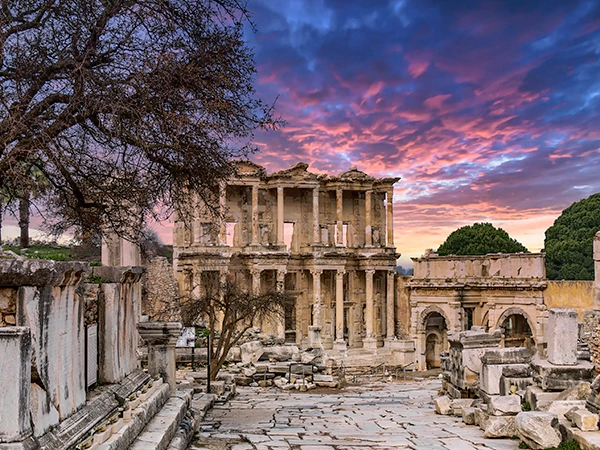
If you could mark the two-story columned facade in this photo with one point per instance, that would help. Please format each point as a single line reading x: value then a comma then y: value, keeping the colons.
x: 328, y: 241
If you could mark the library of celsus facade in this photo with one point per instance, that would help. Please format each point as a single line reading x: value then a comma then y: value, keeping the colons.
x: 325, y: 240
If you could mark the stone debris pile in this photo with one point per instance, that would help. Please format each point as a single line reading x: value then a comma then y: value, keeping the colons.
x: 515, y: 393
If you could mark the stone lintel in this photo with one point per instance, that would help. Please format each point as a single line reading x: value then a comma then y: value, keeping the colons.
x: 118, y: 274
x: 41, y: 272
x: 510, y: 355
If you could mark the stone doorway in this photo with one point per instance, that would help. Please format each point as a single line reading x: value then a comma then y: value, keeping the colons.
x: 435, y: 339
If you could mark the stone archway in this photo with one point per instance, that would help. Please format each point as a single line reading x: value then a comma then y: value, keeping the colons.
x: 518, y: 328
x: 435, y: 337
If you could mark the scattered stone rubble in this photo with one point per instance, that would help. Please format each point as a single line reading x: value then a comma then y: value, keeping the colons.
x: 513, y: 392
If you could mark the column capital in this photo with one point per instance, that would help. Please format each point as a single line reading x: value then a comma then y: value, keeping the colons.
x: 281, y: 273
x: 255, y: 271
x: 370, y: 271
x: 315, y: 272
x: 340, y: 272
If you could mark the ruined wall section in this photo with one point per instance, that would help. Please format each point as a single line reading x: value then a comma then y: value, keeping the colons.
x: 578, y: 295
x: 160, y: 291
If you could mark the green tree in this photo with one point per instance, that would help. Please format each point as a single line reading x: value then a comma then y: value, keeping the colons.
x: 128, y: 108
x: 479, y: 239
x: 569, y: 241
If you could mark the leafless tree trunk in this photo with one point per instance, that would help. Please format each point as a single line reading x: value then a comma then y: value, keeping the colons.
x: 24, y: 204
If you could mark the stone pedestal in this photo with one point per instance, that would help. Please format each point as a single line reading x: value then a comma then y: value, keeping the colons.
x: 161, y: 338
x: 314, y: 337
x: 340, y: 346
x: 562, y: 337
x: 370, y: 342
x: 551, y: 377
x: 15, y: 354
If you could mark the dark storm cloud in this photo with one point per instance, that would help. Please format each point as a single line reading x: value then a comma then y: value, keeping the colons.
x: 487, y: 110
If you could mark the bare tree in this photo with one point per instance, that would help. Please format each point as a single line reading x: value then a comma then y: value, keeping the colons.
x: 238, y: 312
x: 126, y: 107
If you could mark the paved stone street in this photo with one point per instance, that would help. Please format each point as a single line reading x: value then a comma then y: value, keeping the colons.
x: 378, y: 415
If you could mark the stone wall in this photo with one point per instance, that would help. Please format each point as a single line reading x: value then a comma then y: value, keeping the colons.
x: 160, y: 291
x: 8, y: 307
x: 577, y: 295
x: 119, y: 311
x: 51, y: 313
x: 402, y: 307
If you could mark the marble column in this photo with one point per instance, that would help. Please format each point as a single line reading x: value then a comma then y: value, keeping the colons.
x: 314, y: 331
x: 370, y: 341
x: 339, y: 206
x: 222, y: 208
x: 255, y: 214
x: 316, y: 226
x: 340, y: 343
x: 390, y: 326
x: 281, y: 290
x: 255, y: 281
x: 280, y: 200
x: 368, y: 225
x: 390, y: 217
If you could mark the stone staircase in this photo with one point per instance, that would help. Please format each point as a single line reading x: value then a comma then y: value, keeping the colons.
x: 137, y: 413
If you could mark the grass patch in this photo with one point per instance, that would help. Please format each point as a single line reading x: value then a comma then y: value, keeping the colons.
x: 43, y: 252
x: 526, y: 406
x: 571, y: 445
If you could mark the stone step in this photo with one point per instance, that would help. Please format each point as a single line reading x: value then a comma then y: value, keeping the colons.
x: 125, y: 431
x: 159, y: 432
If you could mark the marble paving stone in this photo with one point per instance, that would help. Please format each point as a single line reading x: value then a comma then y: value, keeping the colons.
x: 377, y: 416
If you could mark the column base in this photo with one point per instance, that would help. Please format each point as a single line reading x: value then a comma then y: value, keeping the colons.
x: 340, y: 346
x: 370, y: 343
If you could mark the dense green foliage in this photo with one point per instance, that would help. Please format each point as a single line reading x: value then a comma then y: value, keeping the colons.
x: 479, y: 239
x: 569, y: 241
x: 43, y: 252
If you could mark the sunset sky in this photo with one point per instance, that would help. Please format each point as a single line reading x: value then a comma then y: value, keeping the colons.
x: 488, y: 110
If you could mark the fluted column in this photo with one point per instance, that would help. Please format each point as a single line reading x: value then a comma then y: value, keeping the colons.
x: 222, y: 207
x: 390, y: 327
x: 340, y: 344
x: 368, y: 226
x: 390, y: 217
x: 370, y: 341
x: 255, y: 214
x: 316, y: 226
x: 339, y: 206
x: 280, y: 200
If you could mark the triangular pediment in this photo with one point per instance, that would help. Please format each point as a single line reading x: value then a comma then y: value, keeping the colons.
x: 249, y: 169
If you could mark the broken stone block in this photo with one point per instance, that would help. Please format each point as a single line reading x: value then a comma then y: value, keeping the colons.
x: 43, y: 413
x: 468, y: 415
x: 538, y: 429
x: 538, y: 398
x: 243, y: 381
x: 561, y: 407
x: 442, y: 405
x: 457, y: 405
x: 583, y: 419
x: 499, y: 427
x: 481, y: 418
x: 581, y: 391
x: 490, y: 379
x: 551, y: 377
x: 504, y: 405
x: 562, y: 336
x: 280, y: 352
x: 251, y: 352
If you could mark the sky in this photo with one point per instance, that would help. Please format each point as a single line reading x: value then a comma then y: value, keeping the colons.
x: 489, y: 111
